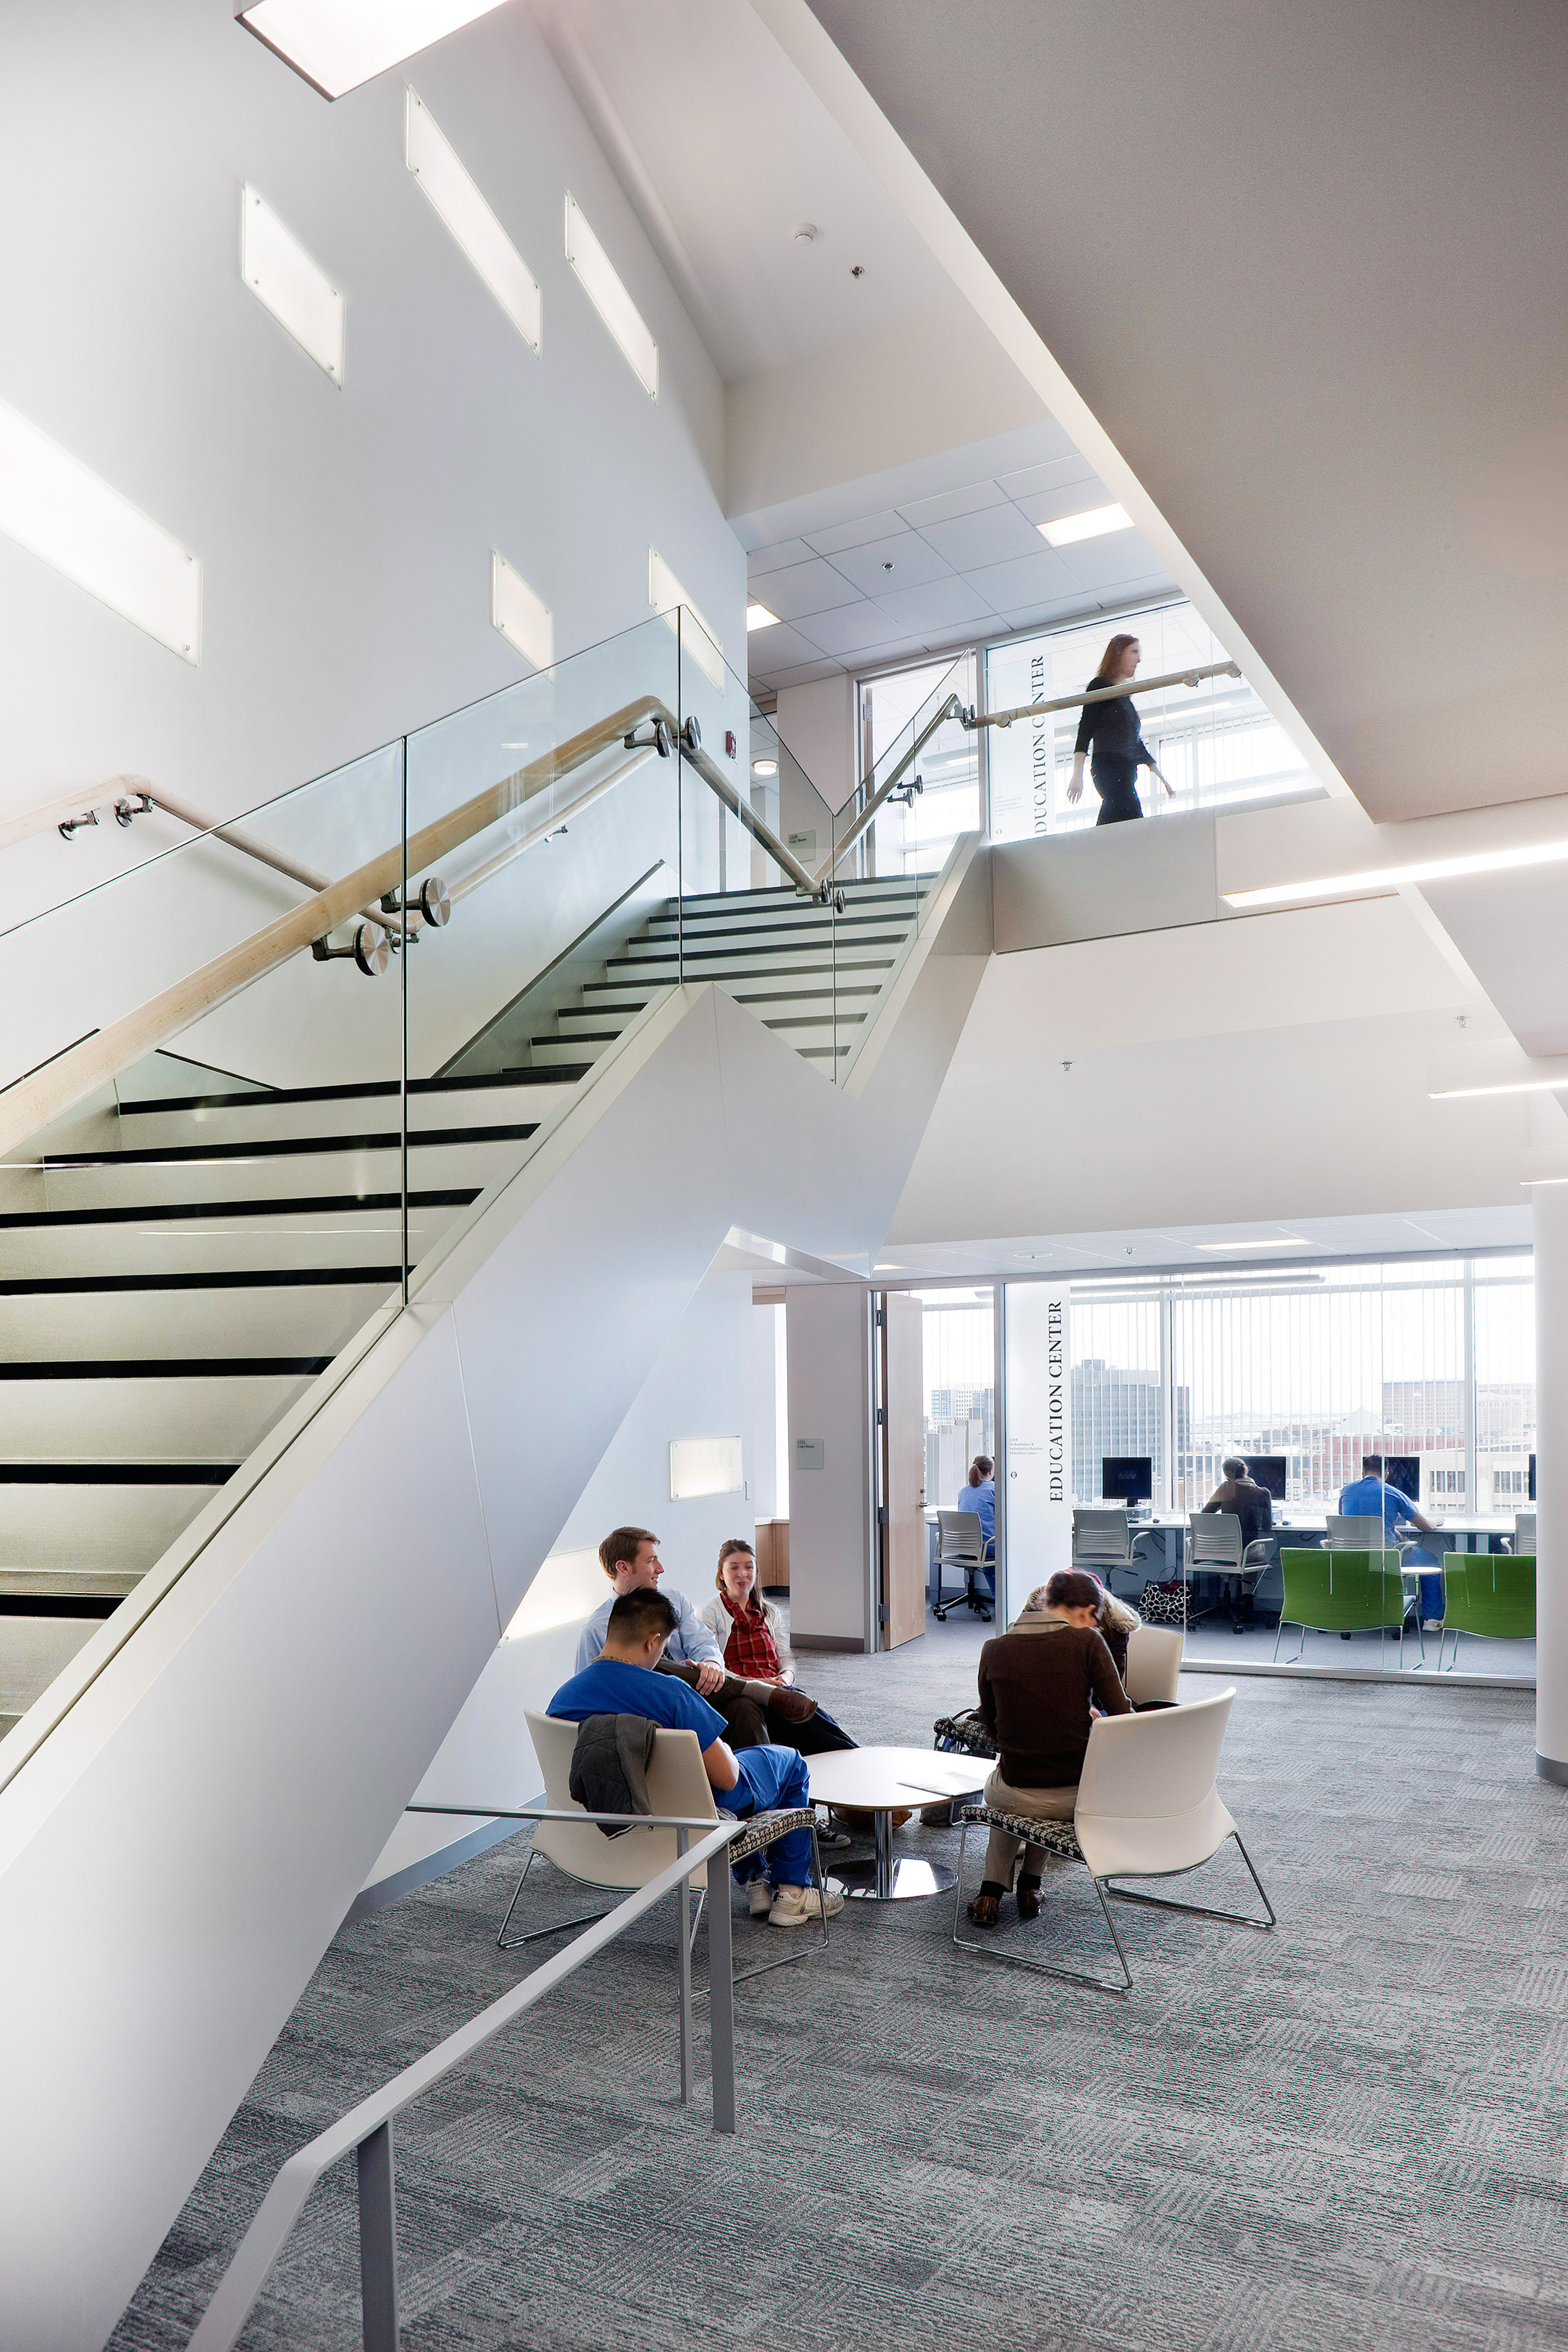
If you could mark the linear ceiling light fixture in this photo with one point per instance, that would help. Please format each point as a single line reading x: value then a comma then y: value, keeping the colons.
x: 1094, y: 523
x: 670, y: 600
x: 1277, y: 1240
x: 523, y: 617
x: 286, y: 281
x: 759, y: 617
x: 1395, y: 878
x: 431, y: 157
x: 336, y: 45
x: 1514, y: 1086
x: 52, y: 505
x: 596, y: 276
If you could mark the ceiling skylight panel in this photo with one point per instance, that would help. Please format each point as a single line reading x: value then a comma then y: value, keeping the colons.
x: 336, y: 45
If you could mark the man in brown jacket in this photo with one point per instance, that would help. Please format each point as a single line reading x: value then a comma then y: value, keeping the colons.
x: 1036, y: 1691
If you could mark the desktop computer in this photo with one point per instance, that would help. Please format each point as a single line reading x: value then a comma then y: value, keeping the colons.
x: 1268, y: 1471
x: 1127, y: 1478
x: 1400, y: 1471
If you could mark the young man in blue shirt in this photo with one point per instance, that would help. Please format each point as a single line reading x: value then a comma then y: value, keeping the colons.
x: 1371, y: 1495
x: 623, y: 1680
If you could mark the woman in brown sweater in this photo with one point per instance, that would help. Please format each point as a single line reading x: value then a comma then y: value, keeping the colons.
x: 1036, y: 1693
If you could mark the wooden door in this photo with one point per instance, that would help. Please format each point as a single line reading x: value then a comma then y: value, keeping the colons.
x: 904, y: 1548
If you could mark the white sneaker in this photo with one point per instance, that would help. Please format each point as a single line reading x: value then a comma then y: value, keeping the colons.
x: 759, y: 1898
x: 800, y: 1906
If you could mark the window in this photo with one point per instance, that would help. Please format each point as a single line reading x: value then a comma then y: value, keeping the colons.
x: 1216, y: 743
x: 914, y: 835
x: 959, y: 1333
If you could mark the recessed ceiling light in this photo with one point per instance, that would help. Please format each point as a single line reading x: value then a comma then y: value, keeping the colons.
x: 1277, y: 1240
x: 1394, y: 878
x: 759, y: 617
x: 806, y: 233
x: 1092, y: 524
x: 336, y: 45
x: 764, y: 767
x: 1516, y: 1086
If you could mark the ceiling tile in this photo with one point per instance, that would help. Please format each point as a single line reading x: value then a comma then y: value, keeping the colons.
x: 774, y: 558
x: 771, y: 649
x: 1118, y: 559
x: 936, y: 605
x: 912, y: 564
x: 1078, y: 497
x: 852, y: 629
x: 844, y: 535
x: 994, y: 536
x: 1047, y: 478
x: 954, y: 502
x: 813, y: 587
x: 1028, y: 579
x: 1056, y: 608
x: 807, y: 675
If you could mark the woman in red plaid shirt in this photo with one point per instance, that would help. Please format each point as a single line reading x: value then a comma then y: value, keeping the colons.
x: 750, y: 1630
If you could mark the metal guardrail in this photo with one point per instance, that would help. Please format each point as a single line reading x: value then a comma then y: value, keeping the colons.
x: 366, y: 2129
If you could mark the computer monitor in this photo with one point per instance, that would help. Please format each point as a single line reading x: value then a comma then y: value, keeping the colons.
x: 1400, y: 1471
x: 1127, y: 1478
x: 1268, y: 1470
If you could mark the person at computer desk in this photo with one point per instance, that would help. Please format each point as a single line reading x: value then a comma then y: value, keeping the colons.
x: 1240, y: 1494
x: 1370, y: 1497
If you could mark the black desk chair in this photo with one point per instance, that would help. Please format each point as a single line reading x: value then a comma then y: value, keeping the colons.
x: 961, y: 1544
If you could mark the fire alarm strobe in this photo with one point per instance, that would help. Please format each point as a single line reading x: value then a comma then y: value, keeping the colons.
x: 729, y: 741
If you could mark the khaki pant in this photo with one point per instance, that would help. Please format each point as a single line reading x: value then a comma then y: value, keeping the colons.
x: 1040, y: 1804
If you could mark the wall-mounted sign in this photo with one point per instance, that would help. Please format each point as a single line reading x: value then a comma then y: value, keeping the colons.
x: 811, y: 1453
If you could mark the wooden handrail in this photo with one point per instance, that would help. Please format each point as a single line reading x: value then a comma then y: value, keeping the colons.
x: 53, y: 814
x: 52, y: 1090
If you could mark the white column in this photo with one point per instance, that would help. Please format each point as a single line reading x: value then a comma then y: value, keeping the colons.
x: 1550, y: 1217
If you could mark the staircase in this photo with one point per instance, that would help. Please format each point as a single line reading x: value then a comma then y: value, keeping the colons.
x: 181, y: 1259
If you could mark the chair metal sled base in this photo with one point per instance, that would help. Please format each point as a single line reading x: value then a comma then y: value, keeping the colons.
x: 580, y: 1919
x: 1103, y: 1887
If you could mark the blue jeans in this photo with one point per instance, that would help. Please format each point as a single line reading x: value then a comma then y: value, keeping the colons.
x: 772, y: 1779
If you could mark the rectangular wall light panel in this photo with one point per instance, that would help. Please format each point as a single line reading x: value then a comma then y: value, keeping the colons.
x: 522, y: 618
x: 338, y: 44
x: 703, y: 1466
x: 286, y: 281
x: 598, y: 280
x: 669, y: 598
x: 52, y: 505
x: 433, y: 161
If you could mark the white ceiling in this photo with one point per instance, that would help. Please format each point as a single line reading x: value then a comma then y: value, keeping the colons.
x: 865, y: 582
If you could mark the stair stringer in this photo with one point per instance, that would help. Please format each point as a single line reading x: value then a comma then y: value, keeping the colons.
x: 176, y: 1854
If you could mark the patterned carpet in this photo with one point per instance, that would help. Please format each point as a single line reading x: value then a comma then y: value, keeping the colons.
x: 1350, y: 2133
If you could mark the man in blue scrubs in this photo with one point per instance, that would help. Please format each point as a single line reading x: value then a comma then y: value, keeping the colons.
x: 1370, y: 1497
x: 623, y: 1680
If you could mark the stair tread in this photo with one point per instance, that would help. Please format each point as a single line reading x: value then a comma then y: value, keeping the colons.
x: 278, y: 1205
x: 269, y: 1098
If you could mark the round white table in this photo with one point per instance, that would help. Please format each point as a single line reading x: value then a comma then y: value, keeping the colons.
x: 883, y: 1781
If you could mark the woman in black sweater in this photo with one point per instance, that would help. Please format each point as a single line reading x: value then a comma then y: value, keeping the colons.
x: 1110, y: 730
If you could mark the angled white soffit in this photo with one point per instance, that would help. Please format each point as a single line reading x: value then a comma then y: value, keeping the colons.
x: 805, y: 42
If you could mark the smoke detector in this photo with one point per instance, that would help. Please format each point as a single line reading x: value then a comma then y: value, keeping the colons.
x: 807, y: 233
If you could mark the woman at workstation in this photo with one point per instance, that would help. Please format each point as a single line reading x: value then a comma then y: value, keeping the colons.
x: 1110, y: 731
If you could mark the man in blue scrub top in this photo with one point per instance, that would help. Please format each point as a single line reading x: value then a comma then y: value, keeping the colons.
x: 623, y: 1680
x: 1370, y: 1497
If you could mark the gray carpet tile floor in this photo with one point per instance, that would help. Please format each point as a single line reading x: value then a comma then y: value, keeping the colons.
x: 1350, y: 2132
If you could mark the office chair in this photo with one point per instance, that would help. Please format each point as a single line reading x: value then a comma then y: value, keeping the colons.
x: 960, y: 1543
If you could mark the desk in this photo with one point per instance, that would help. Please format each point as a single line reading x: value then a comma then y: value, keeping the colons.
x: 1303, y: 1528
x: 883, y: 1782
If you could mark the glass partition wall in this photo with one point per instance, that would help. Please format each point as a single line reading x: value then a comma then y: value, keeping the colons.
x: 1311, y: 1374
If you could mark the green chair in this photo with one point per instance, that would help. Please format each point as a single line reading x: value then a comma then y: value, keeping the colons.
x: 1341, y: 1592
x: 1491, y: 1593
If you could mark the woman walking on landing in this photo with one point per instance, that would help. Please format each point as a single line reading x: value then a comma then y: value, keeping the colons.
x: 1110, y: 729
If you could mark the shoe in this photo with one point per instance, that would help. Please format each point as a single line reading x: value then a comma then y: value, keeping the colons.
x: 759, y: 1898
x: 831, y: 1839
x: 937, y: 1817
x: 800, y: 1906
x: 983, y: 1910
x: 1028, y: 1902
x: 790, y: 1706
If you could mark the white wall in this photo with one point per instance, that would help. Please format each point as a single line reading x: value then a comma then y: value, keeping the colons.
x: 701, y: 1385
x: 816, y: 722
x: 344, y: 534
x: 828, y: 1508
x: 765, y: 1402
